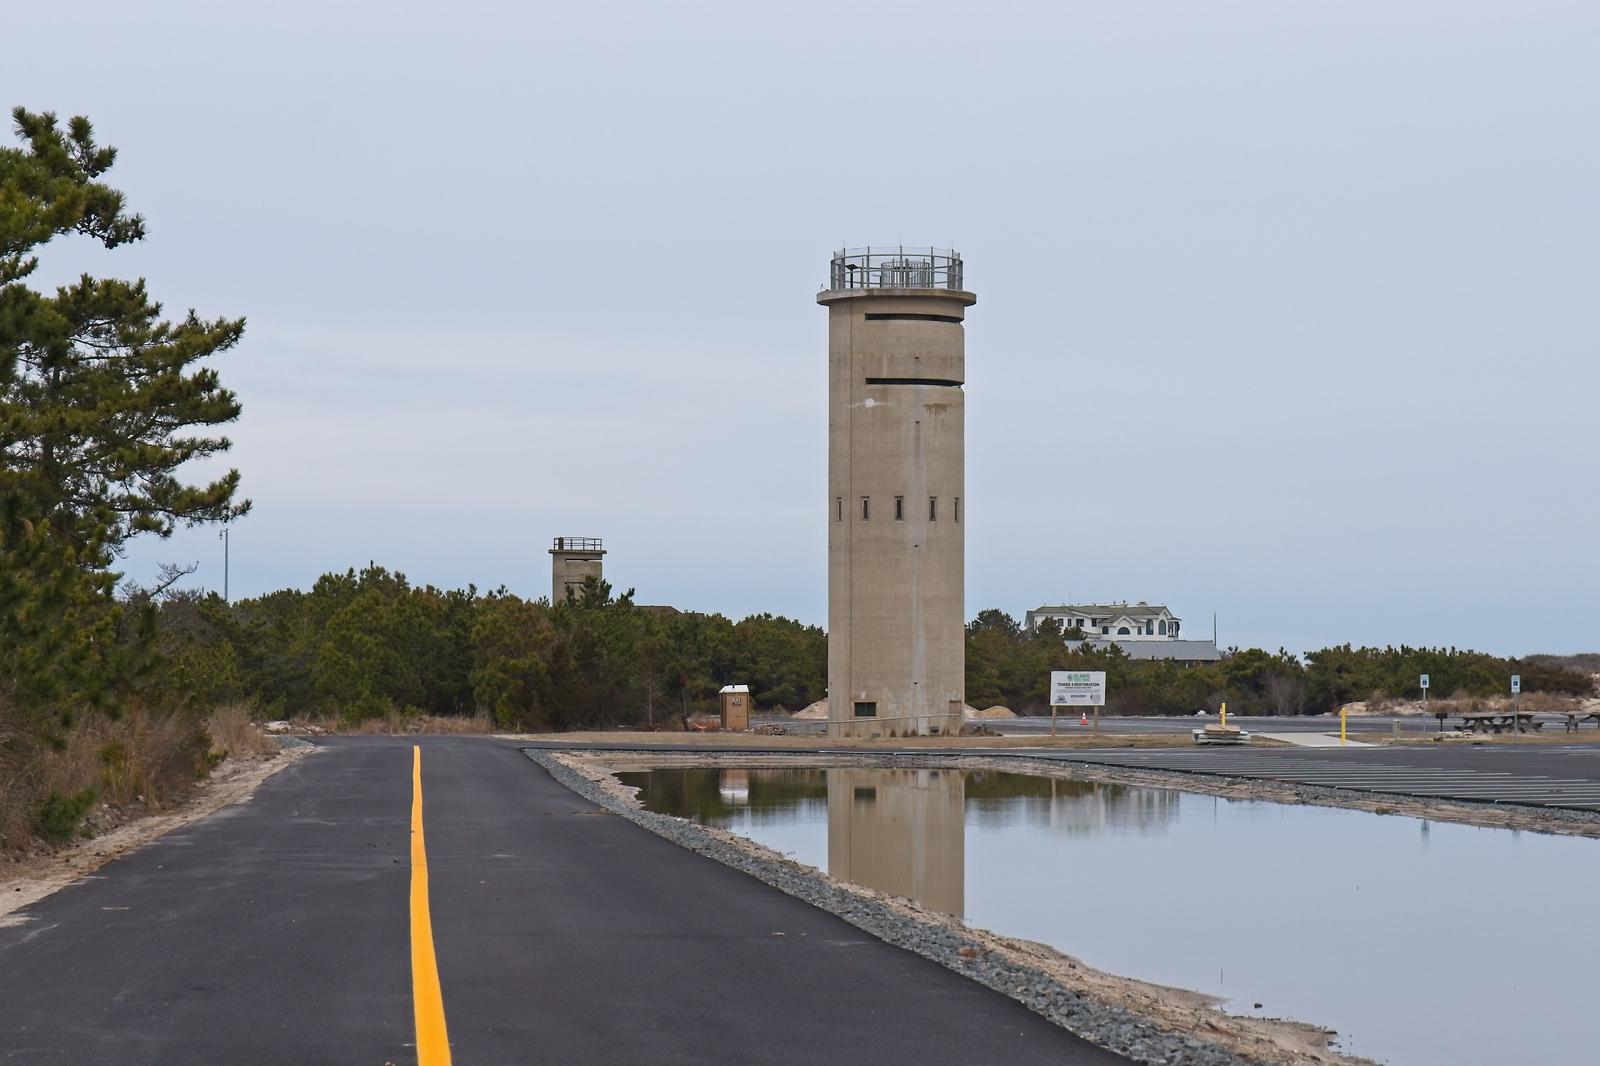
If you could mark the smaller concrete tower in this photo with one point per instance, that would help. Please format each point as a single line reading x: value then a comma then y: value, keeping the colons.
x: 572, y: 561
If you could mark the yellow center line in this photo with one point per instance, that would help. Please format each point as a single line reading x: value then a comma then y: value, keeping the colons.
x: 433, y: 1043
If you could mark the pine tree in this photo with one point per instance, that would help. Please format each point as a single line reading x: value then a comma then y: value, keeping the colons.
x: 101, y: 400
x: 101, y: 403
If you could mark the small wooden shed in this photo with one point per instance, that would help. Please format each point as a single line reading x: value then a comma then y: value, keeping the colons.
x: 735, y: 701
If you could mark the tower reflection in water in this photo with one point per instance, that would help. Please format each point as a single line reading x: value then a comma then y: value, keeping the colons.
x: 901, y: 832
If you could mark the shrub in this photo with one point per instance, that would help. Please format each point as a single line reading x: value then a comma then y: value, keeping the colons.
x: 60, y: 816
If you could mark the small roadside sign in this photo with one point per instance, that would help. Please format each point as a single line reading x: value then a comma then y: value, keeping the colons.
x: 1516, y: 684
x: 1077, y: 688
x: 1424, y: 682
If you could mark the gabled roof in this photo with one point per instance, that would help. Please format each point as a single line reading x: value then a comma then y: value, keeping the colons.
x: 1132, y: 610
x: 1196, y: 651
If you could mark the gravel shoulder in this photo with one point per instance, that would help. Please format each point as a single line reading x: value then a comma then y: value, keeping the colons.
x: 233, y: 781
x: 1148, y: 1023
x: 813, y: 741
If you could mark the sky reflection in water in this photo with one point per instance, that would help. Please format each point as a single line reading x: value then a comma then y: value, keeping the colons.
x: 1423, y: 943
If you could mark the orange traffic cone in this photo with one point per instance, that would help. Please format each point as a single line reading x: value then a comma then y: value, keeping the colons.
x: 1085, y: 719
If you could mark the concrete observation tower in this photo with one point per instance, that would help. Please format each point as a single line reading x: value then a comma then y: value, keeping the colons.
x: 572, y: 561
x: 896, y: 467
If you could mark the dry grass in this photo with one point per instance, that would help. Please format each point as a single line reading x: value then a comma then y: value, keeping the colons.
x: 397, y: 723
x: 1532, y: 702
x: 15, y: 793
x: 141, y: 757
x: 1548, y: 703
x: 105, y: 770
x: 234, y: 733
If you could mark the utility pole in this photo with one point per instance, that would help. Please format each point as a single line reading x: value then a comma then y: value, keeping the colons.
x: 223, y: 536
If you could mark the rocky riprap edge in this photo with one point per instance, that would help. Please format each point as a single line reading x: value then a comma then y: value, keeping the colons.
x: 1106, y: 1025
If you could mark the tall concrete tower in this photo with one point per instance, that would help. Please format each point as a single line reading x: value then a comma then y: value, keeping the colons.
x: 572, y: 560
x: 896, y: 467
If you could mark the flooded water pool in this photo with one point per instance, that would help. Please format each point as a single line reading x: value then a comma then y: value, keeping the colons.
x: 1422, y: 943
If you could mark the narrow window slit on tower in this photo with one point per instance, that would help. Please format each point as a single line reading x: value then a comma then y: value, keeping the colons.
x: 958, y: 508
x: 933, y: 508
x: 839, y: 509
x: 899, y: 508
x: 945, y: 382
x: 882, y: 316
x: 866, y: 514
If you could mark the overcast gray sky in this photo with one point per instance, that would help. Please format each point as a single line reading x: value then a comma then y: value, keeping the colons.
x: 1286, y: 311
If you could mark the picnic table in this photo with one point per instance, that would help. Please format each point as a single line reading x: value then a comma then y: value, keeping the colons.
x: 1577, y: 718
x: 1500, y: 722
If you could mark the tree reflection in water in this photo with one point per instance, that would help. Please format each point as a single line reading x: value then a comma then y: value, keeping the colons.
x: 903, y: 831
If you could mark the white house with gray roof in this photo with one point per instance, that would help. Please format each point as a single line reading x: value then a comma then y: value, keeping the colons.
x: 1122, y: 621
x: 1141, y: 630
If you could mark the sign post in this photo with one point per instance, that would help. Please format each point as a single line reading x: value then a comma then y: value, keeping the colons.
x: 1516, y: 703
x: 1077, y: 688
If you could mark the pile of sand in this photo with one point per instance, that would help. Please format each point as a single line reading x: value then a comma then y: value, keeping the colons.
x: 1399, y: 708
x: 818, y: 712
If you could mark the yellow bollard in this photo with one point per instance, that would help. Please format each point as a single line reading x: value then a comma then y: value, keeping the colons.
x: 1224, y: 722
x: 1341, y: 727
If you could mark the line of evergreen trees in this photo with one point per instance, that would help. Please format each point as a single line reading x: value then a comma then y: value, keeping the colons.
x: 359, y: 645
x: 1010, y: 665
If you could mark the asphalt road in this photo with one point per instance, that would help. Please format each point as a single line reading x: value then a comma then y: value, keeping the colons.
x: 1154, y: 724
x: 280, y: 931
x: 1579, y: 759
x: 1537, y: 775
x: 1282, y: 724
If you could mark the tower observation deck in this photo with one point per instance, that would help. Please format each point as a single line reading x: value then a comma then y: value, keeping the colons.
x: 896, y: 473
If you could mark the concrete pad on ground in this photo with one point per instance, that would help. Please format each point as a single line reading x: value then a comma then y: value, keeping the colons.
x: 1313, y: 740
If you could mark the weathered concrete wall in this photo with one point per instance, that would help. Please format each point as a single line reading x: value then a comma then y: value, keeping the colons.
x: 896, y: 438
x: 569, y: 569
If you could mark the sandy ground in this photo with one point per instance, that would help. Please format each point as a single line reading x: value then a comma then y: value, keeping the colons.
x: 1269, y: 1040
x: 233, y: 781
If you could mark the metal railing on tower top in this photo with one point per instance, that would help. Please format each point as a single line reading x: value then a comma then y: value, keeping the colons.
x: 895, y: 267
x: 577, y: 544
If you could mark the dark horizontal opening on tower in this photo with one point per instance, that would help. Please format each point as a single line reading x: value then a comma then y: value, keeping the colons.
x: 886, y: 317
x: 914, y: 381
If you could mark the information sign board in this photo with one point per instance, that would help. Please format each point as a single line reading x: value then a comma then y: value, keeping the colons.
x: 1077, y: 688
